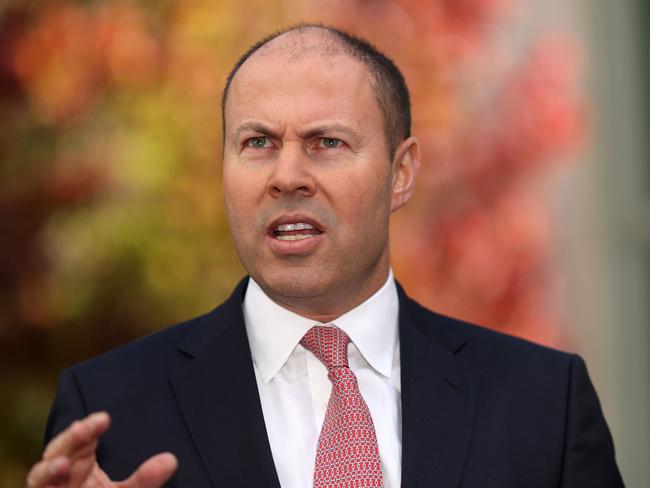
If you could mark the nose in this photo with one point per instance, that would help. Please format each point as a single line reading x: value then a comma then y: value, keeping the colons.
x: 291, y: 174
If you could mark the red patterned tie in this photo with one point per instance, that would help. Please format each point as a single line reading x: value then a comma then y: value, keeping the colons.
x: 347, y: 454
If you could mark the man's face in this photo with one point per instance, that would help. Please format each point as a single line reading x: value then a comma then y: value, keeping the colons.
x: 307, y: 179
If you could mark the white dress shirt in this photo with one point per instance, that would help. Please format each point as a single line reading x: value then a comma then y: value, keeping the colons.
x: 294, y: 388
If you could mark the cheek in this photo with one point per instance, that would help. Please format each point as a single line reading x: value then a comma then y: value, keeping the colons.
x: 365, y: 203
x: 239, y: 201
x: 241, y: 188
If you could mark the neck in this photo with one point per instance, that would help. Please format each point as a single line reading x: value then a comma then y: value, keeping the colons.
x: 328, y: 307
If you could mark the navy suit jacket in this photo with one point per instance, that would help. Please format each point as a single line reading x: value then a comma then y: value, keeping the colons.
x: 479, y: 409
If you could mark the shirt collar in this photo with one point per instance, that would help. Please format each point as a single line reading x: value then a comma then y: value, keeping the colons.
x: 274, y: 332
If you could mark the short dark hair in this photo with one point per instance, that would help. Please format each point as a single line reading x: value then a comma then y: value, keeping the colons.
x: 391, y: 92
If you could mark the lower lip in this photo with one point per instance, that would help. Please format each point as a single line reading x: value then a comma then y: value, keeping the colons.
x: 293, y: 248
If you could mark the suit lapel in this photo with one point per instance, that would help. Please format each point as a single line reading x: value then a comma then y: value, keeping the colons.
x: 439, y: 396
x: 217, y: 394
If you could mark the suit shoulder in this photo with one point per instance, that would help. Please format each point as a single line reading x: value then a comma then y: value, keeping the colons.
x: 165, y: 346
x: 483, y: 347
x: 157, y: 351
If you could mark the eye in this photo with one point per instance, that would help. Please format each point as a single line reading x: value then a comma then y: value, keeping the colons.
x: 257, y: 142
x: 330, y: 142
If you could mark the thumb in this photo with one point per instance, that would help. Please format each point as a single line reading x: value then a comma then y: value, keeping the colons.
x: 153, y: 473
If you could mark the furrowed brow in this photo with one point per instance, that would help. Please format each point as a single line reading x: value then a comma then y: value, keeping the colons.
x: 329, y: 130
x: 255, y: 127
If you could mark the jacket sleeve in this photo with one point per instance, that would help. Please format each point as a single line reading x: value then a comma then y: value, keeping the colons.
x: 67, y: 407
x: 589, y: 451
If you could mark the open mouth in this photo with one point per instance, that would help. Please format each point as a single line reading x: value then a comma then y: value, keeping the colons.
x: 295, y: 231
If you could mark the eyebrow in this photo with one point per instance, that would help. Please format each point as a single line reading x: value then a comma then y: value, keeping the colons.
x: 252, y: 127
x: 320, y: 130
x: 329, y: 128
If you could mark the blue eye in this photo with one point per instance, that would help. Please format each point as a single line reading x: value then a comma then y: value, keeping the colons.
x: 257, y: 142
x: 330, y: 142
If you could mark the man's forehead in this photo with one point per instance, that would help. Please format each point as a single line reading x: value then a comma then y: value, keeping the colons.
x: 303, y: 92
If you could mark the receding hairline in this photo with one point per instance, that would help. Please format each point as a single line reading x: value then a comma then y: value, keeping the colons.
x: 289, y: 43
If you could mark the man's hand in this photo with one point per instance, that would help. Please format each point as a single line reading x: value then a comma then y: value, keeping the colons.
x: 69, y: 461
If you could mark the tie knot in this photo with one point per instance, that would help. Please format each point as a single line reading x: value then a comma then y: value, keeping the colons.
x: 329, y: 344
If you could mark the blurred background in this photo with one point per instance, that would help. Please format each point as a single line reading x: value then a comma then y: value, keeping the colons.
x: 532, y: 214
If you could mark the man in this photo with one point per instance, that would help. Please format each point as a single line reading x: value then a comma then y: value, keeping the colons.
x: 317, y: 155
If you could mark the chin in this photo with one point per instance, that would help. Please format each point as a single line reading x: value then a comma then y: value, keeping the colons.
x: 292, y: 283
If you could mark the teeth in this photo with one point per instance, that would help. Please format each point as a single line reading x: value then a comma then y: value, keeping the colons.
x: 295, y: 237
x: 297, y: 226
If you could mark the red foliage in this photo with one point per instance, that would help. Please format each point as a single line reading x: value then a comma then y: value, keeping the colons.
x: 65, y: 55
x: 480, y: 237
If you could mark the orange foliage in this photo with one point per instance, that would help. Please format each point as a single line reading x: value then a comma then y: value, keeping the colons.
x: 110, y: 200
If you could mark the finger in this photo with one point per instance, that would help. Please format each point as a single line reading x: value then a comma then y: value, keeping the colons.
x: 79, y: 435
x: 49, y: 472
x: 153, y: 473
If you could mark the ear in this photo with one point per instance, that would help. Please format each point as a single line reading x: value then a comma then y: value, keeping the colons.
x: 405, y: 167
